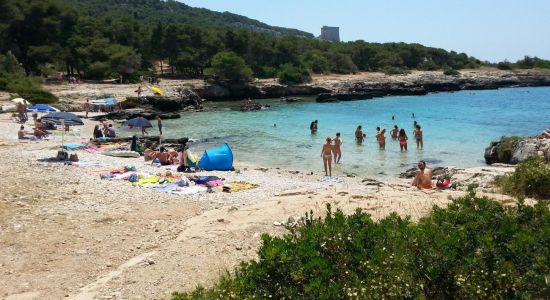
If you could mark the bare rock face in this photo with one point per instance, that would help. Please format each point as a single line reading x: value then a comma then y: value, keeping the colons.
x: 524, y: 150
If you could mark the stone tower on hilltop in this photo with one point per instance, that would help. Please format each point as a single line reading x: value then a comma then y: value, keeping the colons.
x: 330, y: 33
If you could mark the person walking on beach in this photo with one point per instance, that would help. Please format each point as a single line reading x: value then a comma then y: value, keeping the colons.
x: 87, y: 107
x: 326, y: 154
x: 337, y: 151
x: 402, y: 139
x: 359, y: 136
x: 381, y: 137
x: 313, y: 127
x: 423, y: 178
x: 418, y: 137
x: 159, y: 123
x: 394, y: 132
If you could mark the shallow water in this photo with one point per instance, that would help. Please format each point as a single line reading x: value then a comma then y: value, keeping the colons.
x: 457, y: 128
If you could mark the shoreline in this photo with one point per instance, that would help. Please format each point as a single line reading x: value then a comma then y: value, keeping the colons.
x: 67, y: 233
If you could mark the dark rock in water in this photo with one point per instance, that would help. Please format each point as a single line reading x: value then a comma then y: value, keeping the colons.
x: 368, y: 181
x: 410, y: 173
x: 491, y: 155
x: 432, y: 161
x: 149, y: 115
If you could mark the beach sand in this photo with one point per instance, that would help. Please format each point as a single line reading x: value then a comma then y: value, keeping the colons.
x: 65, y: 233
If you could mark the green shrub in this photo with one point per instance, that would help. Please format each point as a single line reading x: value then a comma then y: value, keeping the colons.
x: 290, y: 74
x: 227, y: 65
x: 504, y: 65
x: 474, y: 248
x: 530, y: 179
x: 396, y: 71
x: 451, y: 72
x: 506, y: 147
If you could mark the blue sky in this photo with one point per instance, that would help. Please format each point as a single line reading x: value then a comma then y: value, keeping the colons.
x: 487, y: 29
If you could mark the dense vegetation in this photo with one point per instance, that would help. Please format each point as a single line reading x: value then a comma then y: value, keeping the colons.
x: 530, y: 179
x: 97, y: 39
x: 526, y: 63
x: 473, y: 249
x: 13, y: 79
x: 101, y: 39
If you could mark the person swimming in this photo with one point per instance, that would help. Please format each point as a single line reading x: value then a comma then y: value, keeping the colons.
x: 381, y: 137
x: 326, y: 154
x: 418, y: 137
x: 394, y: 132
x: 402, y: 139
x: 337, y: 151
x: 423, y: 178
x: 359, y: 136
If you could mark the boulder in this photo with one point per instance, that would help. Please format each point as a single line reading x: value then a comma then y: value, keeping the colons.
x: 523, y: 151
x: 491, y: 155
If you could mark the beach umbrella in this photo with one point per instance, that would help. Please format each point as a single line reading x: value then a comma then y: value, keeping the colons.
x: 20, y: 100
x: 62, y: 118
x: 139, y: 122
x: 157, y: 90
x: 42, y: 108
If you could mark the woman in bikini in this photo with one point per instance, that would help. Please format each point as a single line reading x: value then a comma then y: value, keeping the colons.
x: 402, y: 139
x: 326, y: 154
x: 381, y: 137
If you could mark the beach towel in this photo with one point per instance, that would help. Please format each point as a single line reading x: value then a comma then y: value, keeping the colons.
x: 190, y: 190
x: 73, y: 146
x: 240, y: 186
x: 190, y: 160
x: 330, y: 179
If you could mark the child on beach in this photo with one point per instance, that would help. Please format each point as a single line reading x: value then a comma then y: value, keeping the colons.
x: 381, y: 137
x: 326, y: 154
x: 337, y: 151
x: 402, y: 139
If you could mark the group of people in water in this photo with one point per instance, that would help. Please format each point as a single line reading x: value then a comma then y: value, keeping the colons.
x: 332, y: 153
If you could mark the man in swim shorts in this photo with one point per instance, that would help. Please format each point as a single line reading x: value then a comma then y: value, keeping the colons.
x: 423, y: 179
x: 336, y: 149
x: 394, y: 132
x: 359, y: 137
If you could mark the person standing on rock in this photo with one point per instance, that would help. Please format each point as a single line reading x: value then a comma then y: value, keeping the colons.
x: 159, y: 123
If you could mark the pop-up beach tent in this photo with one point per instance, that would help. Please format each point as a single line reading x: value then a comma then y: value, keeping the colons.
x: 217, y: 159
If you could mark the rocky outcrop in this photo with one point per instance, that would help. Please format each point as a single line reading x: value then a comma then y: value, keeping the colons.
x: 430, y: 83
x: 516, y: 151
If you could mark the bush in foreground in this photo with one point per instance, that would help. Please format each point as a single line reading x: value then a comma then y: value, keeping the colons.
x: 474, y: 248
x: 530, y: 179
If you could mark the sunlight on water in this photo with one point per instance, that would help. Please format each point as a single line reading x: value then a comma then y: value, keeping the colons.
x: 457, y: 128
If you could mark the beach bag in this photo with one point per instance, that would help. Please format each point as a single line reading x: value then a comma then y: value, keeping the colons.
x: 73, y: 157
x: 62, y: 155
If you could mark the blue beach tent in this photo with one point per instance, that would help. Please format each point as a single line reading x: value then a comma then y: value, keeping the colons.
x: 217, y: 159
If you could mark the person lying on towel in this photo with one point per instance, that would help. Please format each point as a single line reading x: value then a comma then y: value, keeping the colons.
x: 423, y: 179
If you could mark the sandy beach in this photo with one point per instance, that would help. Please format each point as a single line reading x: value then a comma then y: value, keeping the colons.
x: 66, y: 233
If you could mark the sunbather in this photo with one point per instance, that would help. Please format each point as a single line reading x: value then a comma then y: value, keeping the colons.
x: 423, y: 179
x: 21, y: 134
x: 546, y: 134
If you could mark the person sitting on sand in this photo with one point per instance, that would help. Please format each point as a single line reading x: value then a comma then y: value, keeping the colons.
x: 418, y: 137
x: 394, y: 132
x: 21, y: 134
x: 39, y: 134
x: 97, y: 132
x: 164, y: 157
x: 111, y: 133
x: 423, y: 178
x: 359, y: 136
x: 402, y: 139
x: 326, y: 154
x: 381, y: 137
x: 336, y: 150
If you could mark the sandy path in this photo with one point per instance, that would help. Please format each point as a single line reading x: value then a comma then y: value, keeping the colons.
x: 67, y: 234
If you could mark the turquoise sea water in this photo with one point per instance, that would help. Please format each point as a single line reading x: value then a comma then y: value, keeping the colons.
x: 457, y: 128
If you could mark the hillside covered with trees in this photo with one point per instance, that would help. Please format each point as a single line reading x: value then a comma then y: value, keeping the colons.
x: 97, y: 39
